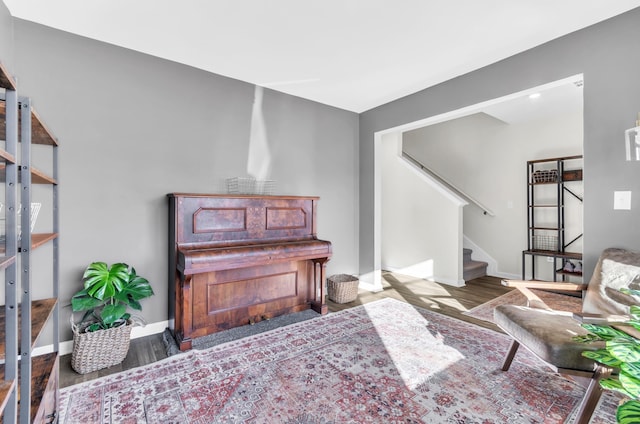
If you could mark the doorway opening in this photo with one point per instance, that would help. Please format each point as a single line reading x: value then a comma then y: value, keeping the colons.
x: 553, y: 99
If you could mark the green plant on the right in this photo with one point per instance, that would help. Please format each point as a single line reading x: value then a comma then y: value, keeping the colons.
x: 622, y: 352
x: 107, y: 293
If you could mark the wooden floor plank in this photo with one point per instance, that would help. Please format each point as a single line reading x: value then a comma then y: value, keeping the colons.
x: 442, y: 298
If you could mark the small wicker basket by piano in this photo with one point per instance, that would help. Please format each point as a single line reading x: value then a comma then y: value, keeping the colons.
x: 100, y: 349
x: 342, y: 288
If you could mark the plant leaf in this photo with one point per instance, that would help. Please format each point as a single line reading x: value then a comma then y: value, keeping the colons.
x: 138, y: 288
x: 84, y: 303
x: 134, y: 304
x: 587, y: 338
x: 122, y: 297
x: 102, y: 281
x: 94, y: 327
x: 81, y: 301
x: 631, y: 368
x: 632, y: 292
x: 625, y: 349
x: 604, y: 331
x: 628, y: 412
x: 108, y: 292
x: 631, y: 383
x: 112, y: 313
x: 120, y: 274
x: 603, y: 356
x: 612, y: 383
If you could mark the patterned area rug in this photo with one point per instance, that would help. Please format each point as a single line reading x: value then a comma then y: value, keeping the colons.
x: 555, y: 301
x: 383, y: 362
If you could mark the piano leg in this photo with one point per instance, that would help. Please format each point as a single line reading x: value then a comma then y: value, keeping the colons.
x: 183, y: 344
x: 183, y: 323
x: 318, y: 303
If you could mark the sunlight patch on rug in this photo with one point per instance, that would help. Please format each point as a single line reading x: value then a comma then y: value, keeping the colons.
x: 413, y: 366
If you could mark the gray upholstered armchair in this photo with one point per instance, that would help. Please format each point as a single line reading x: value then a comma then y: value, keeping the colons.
x: 549, y: 334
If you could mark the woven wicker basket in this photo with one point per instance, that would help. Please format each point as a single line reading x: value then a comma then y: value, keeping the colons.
x: 342, y: 288
x: 99, y: 349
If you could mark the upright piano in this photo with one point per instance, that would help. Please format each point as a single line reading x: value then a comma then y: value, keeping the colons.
x: 239, y: 259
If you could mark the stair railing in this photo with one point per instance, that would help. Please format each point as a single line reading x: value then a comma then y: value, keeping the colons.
x: 447, y: 184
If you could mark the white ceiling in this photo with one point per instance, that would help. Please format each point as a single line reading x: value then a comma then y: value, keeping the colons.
x: 553, y: 99
x: 351, y: 54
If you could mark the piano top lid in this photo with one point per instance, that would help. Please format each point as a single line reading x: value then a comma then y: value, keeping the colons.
x: 223, y: 220
x: 242, y: 196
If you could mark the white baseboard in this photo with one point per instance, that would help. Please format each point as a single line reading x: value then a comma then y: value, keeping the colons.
x: 507, y: 275
x: 442, y: 280
x: 66, y: 347
x: 449, y: 282
x: 149, y: 329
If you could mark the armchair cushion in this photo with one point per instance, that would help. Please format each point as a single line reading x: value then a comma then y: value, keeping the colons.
x: 539, y: 331
x: 617, y: 268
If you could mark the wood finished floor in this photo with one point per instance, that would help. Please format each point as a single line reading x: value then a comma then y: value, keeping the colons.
x: 448, y: 300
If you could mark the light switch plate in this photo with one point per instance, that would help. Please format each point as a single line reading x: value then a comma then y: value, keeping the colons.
x: 622, y: 200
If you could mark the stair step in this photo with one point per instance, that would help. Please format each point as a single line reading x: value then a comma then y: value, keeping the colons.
x: 472, y: 269
x: 466, y: 254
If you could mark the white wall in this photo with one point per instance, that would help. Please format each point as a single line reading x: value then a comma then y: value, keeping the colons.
x: 421, y: 224
x: 486, y: 158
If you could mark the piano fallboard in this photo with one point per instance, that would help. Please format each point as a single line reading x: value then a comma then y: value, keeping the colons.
x: 194, y: 261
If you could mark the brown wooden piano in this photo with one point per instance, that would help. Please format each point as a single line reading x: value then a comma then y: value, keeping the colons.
x: 239, y: 259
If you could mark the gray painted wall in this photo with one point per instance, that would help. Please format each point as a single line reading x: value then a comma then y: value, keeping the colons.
x: 133, y: 128
x: 606, y: 54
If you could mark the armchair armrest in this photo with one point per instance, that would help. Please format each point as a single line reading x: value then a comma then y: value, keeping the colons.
x: 600, y: 319
x: 545, y: 285
x: 619, y: 322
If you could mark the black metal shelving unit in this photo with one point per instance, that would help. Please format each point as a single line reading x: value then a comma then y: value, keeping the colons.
x: 550, y: 182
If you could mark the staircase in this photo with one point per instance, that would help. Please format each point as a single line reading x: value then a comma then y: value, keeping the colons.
x: 472, y: 269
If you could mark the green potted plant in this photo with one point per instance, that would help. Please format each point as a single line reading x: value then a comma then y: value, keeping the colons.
x: 101, y: 338
x: 622, y: 352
